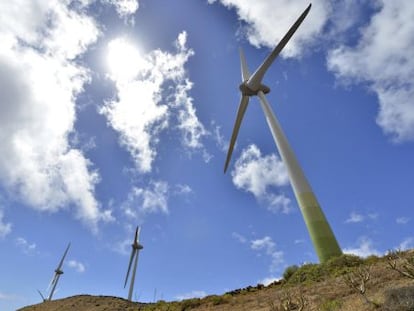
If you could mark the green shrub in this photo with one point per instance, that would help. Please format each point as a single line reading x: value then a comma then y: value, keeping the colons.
x: 218, y: 300
x: 399, y: 299
x: 190, y: 303
x: 371, y: 260
x: 341, y: 265
x: 289, y: 271
x: 307, y: 273
x: 330, y: 305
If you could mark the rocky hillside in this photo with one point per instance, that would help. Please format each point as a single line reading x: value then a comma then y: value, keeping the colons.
x: 344, y: 283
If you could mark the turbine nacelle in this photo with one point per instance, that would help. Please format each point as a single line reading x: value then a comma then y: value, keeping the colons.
x: 137, y: 246
x: 246, y: 90
x: 57, y: 271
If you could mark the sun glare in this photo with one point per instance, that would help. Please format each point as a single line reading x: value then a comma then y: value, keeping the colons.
x: 124, y: 60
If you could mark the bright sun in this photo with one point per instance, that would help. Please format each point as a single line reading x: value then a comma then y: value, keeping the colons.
x: 124, y: 59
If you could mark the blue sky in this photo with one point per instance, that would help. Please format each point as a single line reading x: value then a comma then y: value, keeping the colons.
x: 118, y: 113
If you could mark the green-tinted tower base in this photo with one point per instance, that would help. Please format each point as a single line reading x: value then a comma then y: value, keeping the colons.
x: 320, y: 232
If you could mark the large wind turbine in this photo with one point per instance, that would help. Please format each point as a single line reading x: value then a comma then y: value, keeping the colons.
x: 58, y: 273
x: 136, y: 247
x: 320, y: 232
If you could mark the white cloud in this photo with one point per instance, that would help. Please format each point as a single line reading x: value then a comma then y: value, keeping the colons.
x: 264, y: 246
x: 408, y: 243
x: 372, y: 216
x: 188, y: 122
x: 238, y: 237
x: 182, y: 189
x: 5, y: 227
x: 25, y: 246
x: 299, y: 241
x: 76, y: 265
x: 39, y: 82
x: 355, y: 218
x: 278, y: 202
x: 383, y: 59
x: 152, y: 95
x: 4, y: 296
x: 364, y: 248
x: 402, y: 220
x: 267, y: 21
x: 125, y: 7
x: 256, y: 174
x: 221, y: 142
x: 153, y: 199
x: 343, y: 15
x: 267, y: 245
x: 193, y: 294
x: 122, y: 247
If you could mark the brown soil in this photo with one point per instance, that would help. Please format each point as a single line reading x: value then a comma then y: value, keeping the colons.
x: 333, y: 293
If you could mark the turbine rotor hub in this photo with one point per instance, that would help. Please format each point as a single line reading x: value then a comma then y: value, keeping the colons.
x: 137, y: 246
x: 248, y: 91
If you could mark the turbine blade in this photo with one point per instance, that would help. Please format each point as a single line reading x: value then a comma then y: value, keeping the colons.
x: 138, y: 234
x: 41, y: 295
x: 256, y: 79
x: 129, y: 265
x: 63, y: 258
x: 51, y: 281
x: 134, y: 271
x: 244, y: 70
x: 240, y: 113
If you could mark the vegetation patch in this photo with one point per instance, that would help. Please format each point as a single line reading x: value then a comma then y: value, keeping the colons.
x: 309, y: 273
x: 331, y: 305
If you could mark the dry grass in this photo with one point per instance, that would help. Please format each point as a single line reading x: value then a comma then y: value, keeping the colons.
x: 330, y: 294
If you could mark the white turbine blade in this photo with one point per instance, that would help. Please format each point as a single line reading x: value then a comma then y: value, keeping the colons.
x: 41, y: 295
x: 51, y: 281
x: 134, y: 271
x: 240, y: 113
x: 138, y: 233
x: 55, y: 279
x: 63, y: 258
x: 129, y: 265
x: 54, y: 284
x: 256, y: 79
x: 244, y: 70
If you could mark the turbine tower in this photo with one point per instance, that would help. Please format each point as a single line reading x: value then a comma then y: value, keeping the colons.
x: 58, y: 273
x: 319, y: 230
x: 136, y: 247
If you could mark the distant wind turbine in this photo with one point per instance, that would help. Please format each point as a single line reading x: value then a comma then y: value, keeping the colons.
x: 320, y: 232
x: 55, y: 279
x: 136, y: 247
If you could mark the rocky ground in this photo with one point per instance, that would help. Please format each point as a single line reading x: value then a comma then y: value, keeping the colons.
x: 367, y: 286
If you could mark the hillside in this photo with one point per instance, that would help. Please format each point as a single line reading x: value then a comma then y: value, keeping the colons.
x: 345, y: 283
